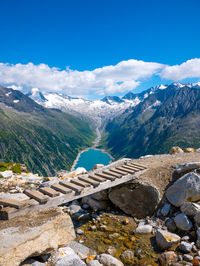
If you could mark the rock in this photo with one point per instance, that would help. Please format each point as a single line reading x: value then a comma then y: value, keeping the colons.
x: 176, y: 149
x: 85, y: 206
x: 195, y: 262
x: 186, y: 188
x: 109, y: 260
x: 198, y: 237
x: 167, y: 258
x: 94, y: 263
x: 144, y: 229
x: 190, y: 208
x: 183, y: 222
x: 197, y: 219
x: 185, y: 247
x: 95, y: 204
x: 165, y: 239
x: 165, y: 209
x: 6, y: 174
x: 36, y: 233
x: 79, y: 232
x: 97, y: 166
x: 171, y: 226
x: 127, y: 255
x: 185, y: 238
x: 188, y: 150
x: 112, y: 251
x: 102, y: 195
x: 187, y: 257
x: 32, y: 262
x: 82, y: 251
x: 66, y: 256
x: 138, y: 200
x: 182, y: 168
x: 74, y: 209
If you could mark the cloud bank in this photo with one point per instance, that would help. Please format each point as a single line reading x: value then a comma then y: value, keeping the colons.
x: 113, y: 79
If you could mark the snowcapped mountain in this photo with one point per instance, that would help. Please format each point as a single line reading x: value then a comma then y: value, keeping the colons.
x: 99, y: 111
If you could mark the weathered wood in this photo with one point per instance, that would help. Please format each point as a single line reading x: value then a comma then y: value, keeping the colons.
x: 97, y: 178
x: 90, y: 181
x: 80, y: 182
x: 125, y: 169
x: 118, y: 171
x: 49, y: 191
x: 8, y: 213
x: 127, y: 166
x: 12, y: 203
x: 61, y: 189
x: 134, y: 167
x: 30, y: 202
x: 106, y: 176
x: 72, y: 186
x: 34, y: 194
x: 141, y: 167
x: 112, y: 174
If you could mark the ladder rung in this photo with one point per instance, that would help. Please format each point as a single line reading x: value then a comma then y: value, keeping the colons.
x: 72, y: 186
x: 80, y: 182
x: 34, y: 194
x: 97, y: 178
x: 90, y: 181
x: 112, y: 174
x: 12, y: 203
x: 61, y: 189
x: 126, y: 170
x: 49, y: 191
x: 106, y: 176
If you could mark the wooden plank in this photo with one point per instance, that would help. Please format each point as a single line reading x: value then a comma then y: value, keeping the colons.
x: 49, y: 191
x: 34, y: 194
x: 8, y: 213
x: 90, y: 181
x: 12, y: 203
x: 80, y: 182
x: 98, y: 178
x: 106, y: 176
x: 125, y: 169
x: 61, y: 189
x: 126, y: 166
x: 142, y: 167
x: 112, y: 174
x: 72, y: 186
x: 118, y: 171
x: 133, y: 167
x: 31, y: 202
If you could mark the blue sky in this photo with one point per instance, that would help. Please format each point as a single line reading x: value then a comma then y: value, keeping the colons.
x: 92, y: 34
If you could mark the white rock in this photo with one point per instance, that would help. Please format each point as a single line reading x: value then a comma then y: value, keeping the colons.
x: 94, y: 263
x: 66, y: 256
x: 74, y: 208
x: 165, y: 209
x: 181, y: 168
x: 165, y: 239
x: 185, y: 247
x: 190, y: 208
x: 109, y: 260
x: 144, y: 229
x: 80, y: 171
x: 186, y: 188
x: 183, y: 222
x: 97, y: 166
x: 82, y: 251
x: 6, y: 174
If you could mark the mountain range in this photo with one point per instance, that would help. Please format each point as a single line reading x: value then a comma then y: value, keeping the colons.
x: 45, y: 139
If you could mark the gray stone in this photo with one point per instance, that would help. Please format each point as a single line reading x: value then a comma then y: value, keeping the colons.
x: 74, y: 209
x: 95, y: 204
x: 94, y: 263
x: 183, y: 222
x: 198, y: 237
x: 165, y: 239
x: 186, y: 188
x: 6, y: 174
x: 66, y: 256
x: 127, y: 255
x: 165, y: 209
x: 190, y: 208
x: 185, y: 247
x: 138, y: 200
x: 102, y: 195
x: 143, y: 229
x: 197, y: 219
x: 187, y: 257
x: 171, y: 226
x: 82, y: 251
x: 182, y: 168
x: 38, y: 232
x: 109, y: 260
x: 85, y: 206
x: 79, y: 231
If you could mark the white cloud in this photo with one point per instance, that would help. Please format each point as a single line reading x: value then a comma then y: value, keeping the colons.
x: 119, y: 78
x: 188, y: 69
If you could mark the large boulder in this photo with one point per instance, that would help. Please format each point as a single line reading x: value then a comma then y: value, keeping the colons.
x: 138, y: 200
x: 95, y: 204
x: 186, y: 188
x: 33, y: 234
x: 190, y: 208
x: 183, y: 222
x: 182, y: 168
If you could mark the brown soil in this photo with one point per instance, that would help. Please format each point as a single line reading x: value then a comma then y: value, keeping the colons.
x: 161, y: 168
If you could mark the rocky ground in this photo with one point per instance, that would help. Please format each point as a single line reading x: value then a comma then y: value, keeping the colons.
x: 153, y: 221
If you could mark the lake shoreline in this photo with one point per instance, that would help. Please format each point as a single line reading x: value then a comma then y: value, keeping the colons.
x: 94, y: 147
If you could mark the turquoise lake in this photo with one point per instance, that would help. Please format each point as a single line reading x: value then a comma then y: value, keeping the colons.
x: 91, y: 157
